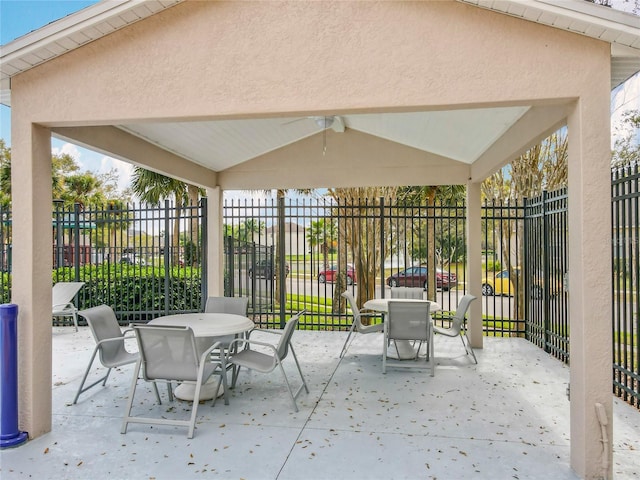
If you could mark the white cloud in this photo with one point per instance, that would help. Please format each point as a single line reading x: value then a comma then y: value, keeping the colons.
x: 95, y: 162
x: 68, y: 149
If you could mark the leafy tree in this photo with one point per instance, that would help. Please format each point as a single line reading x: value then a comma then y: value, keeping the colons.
x: 543, y: 167
x: 444, y: 195
x: 67, y: 182
x: 627, y: 144
x: 5, y: 175
x: 359, y: 235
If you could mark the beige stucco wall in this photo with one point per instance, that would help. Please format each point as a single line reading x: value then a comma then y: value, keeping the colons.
x: 202, y: 60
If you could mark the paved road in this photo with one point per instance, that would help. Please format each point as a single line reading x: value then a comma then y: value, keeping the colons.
x: 499, y: 306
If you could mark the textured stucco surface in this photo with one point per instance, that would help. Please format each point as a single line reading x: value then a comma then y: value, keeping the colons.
x: 202, y: 60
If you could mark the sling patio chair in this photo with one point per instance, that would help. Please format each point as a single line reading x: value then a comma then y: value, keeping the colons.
x: 236, y: 306
x: 408, y: 321
x: 456, y: 327
x: 262, y: 362
x: 357, y: 325
x: 110, y: 344
x: 407, y: 292
x: 62, y: 295
x: 169, y: 354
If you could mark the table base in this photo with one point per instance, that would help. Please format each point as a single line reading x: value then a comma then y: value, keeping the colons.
x: 187, y: 390
x: 404, y: 349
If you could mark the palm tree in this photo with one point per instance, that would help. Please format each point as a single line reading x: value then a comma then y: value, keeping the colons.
x: 322, y: 233
x: 153, y: 187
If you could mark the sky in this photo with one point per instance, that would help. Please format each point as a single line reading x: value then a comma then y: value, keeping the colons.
x: 19, y: 17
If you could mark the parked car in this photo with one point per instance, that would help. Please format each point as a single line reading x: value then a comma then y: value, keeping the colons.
x: 265, y: 269
x: 417, y: 277
x: 500, y: 284
x: 329, y: 274
x: 132, y: 259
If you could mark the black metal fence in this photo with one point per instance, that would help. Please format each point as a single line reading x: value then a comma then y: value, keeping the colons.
x: 144, y: 261
x: 365, y: 247
x: 625, y: 200
x: 287, y: 255
x: 546, y: 261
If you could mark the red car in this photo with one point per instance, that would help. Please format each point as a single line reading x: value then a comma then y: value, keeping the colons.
x: 417, y: 277
x: 329, y: 274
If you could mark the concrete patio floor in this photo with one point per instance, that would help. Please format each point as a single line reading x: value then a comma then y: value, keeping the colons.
x: 507, y: 417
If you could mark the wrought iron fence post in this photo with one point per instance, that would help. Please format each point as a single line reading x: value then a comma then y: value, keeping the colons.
x: 167, y: 257
x: 545, y: 270
x: 204, y: 252
x: 59, y: 250
x: 282, y: 277
x: 76, y: 241
x: 382, y: 249
x: 229, y: 280
x: 526, y: 264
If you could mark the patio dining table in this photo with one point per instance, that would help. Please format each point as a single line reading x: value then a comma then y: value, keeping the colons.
x: 207, y: 328
x: 405, y: 348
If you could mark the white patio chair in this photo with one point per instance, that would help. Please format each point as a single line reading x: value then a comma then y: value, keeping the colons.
x: 268, y: 362
x: 357, y: 325
x: 167, y: 354
x: 456, y: 327
x: 62, y: 295
x: 407, y: 292
x: 408, y: 321
x: 110, y: 343
x: 236, y: 306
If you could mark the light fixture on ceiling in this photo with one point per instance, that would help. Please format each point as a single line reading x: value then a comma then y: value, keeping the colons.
x: 324, y: 122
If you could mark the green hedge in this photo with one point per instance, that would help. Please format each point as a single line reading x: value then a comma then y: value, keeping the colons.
x: 136, y: 293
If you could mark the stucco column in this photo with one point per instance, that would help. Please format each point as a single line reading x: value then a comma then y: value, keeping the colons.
x: 31, y: 270
x: 589, y: 216
x: 474, y: 261
x: 215, y: 253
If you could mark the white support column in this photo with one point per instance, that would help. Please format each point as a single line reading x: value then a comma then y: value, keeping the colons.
x: 474, y: 261
x: 215, y: 252
x: 589, y: 215
x: 31, y: 271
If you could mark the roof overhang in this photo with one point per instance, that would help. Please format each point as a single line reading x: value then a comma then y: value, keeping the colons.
x: 464, y: 136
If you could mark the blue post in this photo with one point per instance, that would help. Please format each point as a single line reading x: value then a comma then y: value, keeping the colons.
x: 10, y: 436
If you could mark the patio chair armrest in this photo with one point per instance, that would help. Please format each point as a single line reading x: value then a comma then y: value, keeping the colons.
x: 247, y: 341
x: 110, y: 340
x: 63, y: 306
x: 264, y: 330
x: 205, y: 355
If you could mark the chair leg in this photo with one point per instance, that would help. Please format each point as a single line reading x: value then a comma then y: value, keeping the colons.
x: 468, y: 347
x: 75, y: 320
x: 222, y: 381
x: 304, y: 382
x: 385, y: 346
x: 236, y: 372
x: 132, y: 391
x: 82, y: 388
x: 286, y: 381
x: 432, y: 352
x: 344, y: 347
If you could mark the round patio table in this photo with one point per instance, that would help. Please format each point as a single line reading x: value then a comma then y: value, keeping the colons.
x: 207, y: 328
